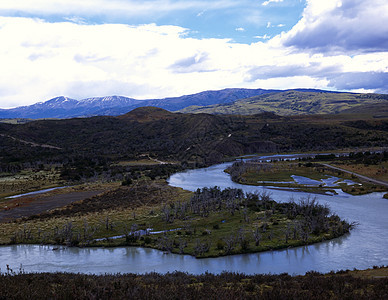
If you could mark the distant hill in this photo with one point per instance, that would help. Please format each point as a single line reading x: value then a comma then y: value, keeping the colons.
x: 227, y: 101
x: 300, y: 102
x: 64, y: 107
x: 193, y: 139
x: 147, y: 114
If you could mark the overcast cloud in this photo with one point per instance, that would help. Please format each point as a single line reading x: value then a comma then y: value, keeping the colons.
x: 52, y: 48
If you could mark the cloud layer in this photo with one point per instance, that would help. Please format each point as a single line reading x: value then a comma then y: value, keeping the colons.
x: 341, y: 25
x: 339, y: 45
x: 108, y: 7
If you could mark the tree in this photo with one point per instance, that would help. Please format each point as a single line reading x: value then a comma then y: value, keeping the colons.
x: 257, y: 236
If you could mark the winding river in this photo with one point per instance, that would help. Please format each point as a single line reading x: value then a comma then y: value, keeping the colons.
x: 364, y: 247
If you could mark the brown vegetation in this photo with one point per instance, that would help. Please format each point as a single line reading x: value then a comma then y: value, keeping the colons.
x: 178, y: 285
x: 141, y: 193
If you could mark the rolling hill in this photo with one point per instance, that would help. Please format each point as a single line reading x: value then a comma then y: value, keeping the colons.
x: 300, y: 102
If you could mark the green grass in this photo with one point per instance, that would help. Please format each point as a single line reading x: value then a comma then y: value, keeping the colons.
x: 279, y: 174
x: 140, y: 162
x: 214, y: 229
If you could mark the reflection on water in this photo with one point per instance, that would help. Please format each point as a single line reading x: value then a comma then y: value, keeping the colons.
x: 328, y: 182
x: 37, y: 192
x: 363, y: 248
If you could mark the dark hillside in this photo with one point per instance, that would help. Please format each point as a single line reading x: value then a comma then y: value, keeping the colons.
x: 147, y: 114
x: 191, y: 138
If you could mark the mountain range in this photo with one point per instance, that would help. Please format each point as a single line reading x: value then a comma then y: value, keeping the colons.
x: 226, y: 101
x: 64, y: 107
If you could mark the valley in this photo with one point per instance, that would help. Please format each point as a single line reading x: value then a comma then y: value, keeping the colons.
x: 171, y: 149
x: 120, y: 180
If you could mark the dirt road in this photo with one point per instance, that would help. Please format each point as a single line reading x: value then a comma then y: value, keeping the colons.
x: 379, y: 182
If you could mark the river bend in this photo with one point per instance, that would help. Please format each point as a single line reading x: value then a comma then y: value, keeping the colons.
x: 365, y: 247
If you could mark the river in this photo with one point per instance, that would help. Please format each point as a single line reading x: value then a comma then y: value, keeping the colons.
x: 363, y: 248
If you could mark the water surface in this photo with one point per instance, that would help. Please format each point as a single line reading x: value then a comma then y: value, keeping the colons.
x: 363, y: 248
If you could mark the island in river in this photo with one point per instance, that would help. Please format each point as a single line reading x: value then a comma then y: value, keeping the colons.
x: 207, y: 223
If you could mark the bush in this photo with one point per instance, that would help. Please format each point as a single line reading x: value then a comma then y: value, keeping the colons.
x: 220, y: 245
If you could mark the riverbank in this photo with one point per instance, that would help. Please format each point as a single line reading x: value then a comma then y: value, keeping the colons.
x: 304, y: 176
x: 207, y: 223
x: 361, y: 249
x: 368, y: 284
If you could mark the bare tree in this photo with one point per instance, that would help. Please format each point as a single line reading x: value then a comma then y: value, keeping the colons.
x: 201, y: 247
x: 257, y: 236
x: 182, y: 245
x: 230, y: 243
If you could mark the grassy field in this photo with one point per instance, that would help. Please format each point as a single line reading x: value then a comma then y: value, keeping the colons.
x: 140, y: 162
x: 143, y: 162
x: 378, y: 171
x: 27, y: 181
x: 279, y: 174
x: 92, y: 215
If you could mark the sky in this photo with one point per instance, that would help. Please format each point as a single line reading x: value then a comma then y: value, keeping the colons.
x: 146, y: 49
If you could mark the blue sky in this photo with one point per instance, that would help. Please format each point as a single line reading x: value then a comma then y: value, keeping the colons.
x: 243, y: 21
x: 160, y: 48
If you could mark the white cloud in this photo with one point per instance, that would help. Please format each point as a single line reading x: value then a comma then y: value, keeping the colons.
x: 341, y: 25
x: 264, y: 37
x: 200, y: 14
x: 241, y: 29
x: 75, y: 19
x: 265, y: 3
x: 108, y: 7
x: 41, y: 60
x: 269, y: 25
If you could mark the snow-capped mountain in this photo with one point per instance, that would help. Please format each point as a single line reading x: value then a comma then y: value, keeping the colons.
x: 108, y: 101
x: 64, y: 107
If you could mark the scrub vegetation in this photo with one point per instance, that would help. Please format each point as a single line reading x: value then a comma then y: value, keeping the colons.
x: 116, y: 170
x: 139, y: 151
x: 369, y: 284
x: 88, y: 147
x: 210, y: 222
